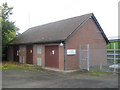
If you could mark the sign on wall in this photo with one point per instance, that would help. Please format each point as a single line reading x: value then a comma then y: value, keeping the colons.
x: 71, y: 51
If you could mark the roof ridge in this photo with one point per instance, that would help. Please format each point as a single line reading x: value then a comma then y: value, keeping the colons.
x: 57, y: 21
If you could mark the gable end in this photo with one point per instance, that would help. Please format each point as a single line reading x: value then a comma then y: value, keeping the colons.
x: 96, y: 22
x: 99, y: 27
x: 77, y: 28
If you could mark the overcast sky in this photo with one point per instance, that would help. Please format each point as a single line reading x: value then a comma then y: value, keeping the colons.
x: 29, y: 13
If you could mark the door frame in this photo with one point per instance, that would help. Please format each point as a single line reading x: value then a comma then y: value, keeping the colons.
x: 58, y: 55
x: 27, y: 54
x: 16, y: 53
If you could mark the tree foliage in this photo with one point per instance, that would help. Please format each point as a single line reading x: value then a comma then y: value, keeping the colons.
x: 9, y: 30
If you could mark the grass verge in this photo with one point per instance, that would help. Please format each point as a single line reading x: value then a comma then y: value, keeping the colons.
x: 97, y: 72
x: 16, y: 65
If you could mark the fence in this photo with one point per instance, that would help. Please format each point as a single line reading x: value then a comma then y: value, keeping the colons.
x: 84, y: 58
x: 113, y: 57
x: 113, y: 60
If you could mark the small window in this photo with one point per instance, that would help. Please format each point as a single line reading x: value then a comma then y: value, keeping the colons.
x: 38, y: 50
x: 39, y: 62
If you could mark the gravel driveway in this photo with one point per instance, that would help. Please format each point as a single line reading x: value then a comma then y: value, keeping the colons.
x: 52, y: 79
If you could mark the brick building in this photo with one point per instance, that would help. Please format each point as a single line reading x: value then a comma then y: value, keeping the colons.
x: 59, y: 44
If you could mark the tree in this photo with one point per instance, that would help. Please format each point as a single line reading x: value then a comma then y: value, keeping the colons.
x: 9, y: 30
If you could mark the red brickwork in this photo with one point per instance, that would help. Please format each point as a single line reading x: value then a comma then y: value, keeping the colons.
x: 88, y: 34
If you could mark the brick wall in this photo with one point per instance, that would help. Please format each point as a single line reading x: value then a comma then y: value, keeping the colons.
x: 61, y: 57
x: 87, y: 34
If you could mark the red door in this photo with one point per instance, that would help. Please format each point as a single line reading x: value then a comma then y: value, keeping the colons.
x: 29, y: 54
x: 16, y: 53
x: 51, y: 56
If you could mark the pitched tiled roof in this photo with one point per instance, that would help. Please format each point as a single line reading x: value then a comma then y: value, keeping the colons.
x: 52, y: 32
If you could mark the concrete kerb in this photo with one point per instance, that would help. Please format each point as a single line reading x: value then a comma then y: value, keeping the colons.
x: 57, y: 70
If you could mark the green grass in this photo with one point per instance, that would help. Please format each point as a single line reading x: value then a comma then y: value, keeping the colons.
x: 18, y: 66
x: 92, y: 71
x: 99, y: 73
x: 96, y: 72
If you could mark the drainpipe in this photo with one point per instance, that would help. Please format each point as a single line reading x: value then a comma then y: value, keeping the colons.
x: 64, y: 56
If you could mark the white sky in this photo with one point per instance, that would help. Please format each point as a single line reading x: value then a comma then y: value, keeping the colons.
x: 29, y: 13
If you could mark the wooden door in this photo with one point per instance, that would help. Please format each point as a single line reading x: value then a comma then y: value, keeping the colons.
x: 29, y: 54
x: 51, y: 56
x: 16, y: 53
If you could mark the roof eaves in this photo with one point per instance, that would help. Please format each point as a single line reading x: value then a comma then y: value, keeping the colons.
x: 46, y: 42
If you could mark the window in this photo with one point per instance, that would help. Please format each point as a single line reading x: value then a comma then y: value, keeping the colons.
x: 39, y: 61
x: 38, y: 49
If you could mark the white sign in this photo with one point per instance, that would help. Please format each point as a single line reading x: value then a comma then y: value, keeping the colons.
x: 53, y: 52
x: 71, y: 52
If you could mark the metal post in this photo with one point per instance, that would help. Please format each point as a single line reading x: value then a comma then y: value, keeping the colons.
x: 64, y: 56
x: 88, y: 67
x: 114, y: 58
x: 80, y: 58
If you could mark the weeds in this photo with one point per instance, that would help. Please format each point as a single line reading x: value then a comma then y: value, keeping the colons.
x: 97, y: 72
x: 16, y: 65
